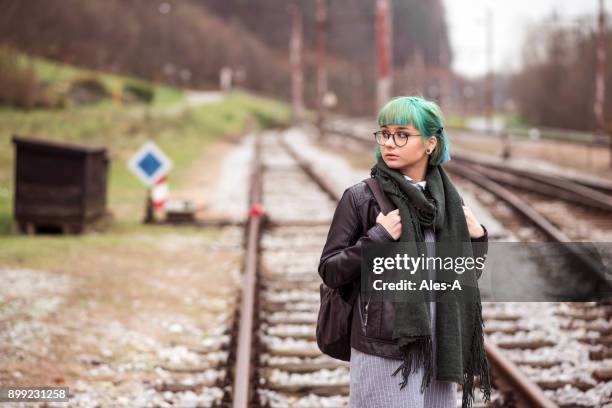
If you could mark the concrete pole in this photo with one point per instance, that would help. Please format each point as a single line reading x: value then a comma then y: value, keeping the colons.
x: 384, y: 48
x: 600, y: 79
x: 321, y: 12
x: 295, y: 59
x: 490, y: 79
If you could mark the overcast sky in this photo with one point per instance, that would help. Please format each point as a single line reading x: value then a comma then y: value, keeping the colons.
x: 466, y: 21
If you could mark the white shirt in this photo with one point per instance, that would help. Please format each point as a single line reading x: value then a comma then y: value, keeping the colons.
x: 420, y: 183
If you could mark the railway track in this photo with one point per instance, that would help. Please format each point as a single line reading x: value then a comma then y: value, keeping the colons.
x: 281, y: 364
x: 568, y: 356
x: 576, y: 190
x: 278, y: 362
x: 562, y: 347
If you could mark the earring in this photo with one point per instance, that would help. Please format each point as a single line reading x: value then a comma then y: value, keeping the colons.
x: 428, y: 151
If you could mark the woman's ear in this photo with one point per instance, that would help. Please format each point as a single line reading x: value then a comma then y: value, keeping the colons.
x: 431, y: 144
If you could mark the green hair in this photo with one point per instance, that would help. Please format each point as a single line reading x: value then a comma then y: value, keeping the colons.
x: 425, y: 116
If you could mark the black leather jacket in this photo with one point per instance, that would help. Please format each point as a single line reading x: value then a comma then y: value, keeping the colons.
x: 354, y: 225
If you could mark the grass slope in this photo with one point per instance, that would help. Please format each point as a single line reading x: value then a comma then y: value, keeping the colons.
x: 183, y: 132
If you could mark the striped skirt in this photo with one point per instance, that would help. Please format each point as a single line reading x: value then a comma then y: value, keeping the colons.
x: 372, y: 386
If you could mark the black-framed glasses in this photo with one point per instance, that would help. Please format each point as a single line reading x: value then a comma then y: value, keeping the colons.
x: 400, y: 138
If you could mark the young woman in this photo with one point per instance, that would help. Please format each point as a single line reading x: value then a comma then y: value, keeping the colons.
x: 434, y: 345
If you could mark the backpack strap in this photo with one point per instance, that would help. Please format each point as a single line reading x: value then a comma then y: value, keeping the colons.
x: 381, y: 198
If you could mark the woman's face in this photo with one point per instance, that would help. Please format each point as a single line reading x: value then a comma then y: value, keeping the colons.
x: 412, y: 153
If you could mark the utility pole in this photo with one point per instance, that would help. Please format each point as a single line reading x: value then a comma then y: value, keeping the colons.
x: 489, y: 81
x: 384, y: 52
x: 600, y: 81
x: 445, y: 76
x: 295, y: 59
x: 321, y: 11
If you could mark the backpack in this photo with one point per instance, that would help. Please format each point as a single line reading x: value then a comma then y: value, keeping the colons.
x: 336, y: 311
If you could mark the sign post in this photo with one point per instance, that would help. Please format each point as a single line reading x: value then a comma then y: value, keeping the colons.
x: 151, y: 165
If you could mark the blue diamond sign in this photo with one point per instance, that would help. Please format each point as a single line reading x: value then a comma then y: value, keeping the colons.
x: 149, y: 163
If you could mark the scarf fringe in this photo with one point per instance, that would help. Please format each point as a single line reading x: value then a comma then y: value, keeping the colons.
x: 477, y: 365
x: 417, y: 353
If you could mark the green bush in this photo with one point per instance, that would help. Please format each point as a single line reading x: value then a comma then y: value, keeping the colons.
x: 138, y: 92
x: 87, y: 90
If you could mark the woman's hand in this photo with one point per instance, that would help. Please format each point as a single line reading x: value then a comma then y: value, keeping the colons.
x: 392, y: 222
x: 474, y: 227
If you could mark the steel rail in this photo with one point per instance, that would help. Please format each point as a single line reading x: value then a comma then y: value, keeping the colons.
x: 531, y: 394
x: 243, y: 370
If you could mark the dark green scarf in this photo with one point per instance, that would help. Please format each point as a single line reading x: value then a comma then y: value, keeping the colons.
x: 459, y: 334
